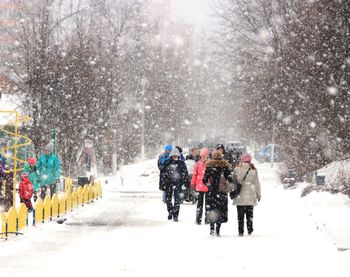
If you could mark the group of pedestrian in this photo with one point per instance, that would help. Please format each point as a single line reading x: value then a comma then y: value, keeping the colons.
x: 211, y: 169
x: 40, y: 178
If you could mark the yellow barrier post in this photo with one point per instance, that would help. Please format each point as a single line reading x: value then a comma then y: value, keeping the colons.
x: 12, y: 220
x: 75, y: 199
x: 39, y: 211
x: 80, y: 196
x: 99, y: 189
x: 3, y: 225
x: 62, y: 205
x: 54, y: 206
x: 22, y: 216
x: 86, y: 194
x: 68, y: 184
x: 68, y: 201
x: 47, y: 208
x: 91, y: 192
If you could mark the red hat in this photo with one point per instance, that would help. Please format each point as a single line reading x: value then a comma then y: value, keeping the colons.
x: 204, y: 152
x: 246, y: 158
x: 32, y: 161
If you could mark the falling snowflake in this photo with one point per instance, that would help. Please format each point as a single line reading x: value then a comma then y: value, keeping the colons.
x: 312, y: 124
x: 332, y: 91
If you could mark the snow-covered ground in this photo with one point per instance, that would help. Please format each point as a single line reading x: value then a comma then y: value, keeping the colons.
x: 127, y: 233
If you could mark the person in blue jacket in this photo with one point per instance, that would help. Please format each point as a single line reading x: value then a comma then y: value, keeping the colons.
x: 175, y: 176
x: 162, y: 159
x: 49, y: 170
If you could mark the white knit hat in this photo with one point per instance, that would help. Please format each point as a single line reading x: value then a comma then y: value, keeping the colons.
x: 174, y: 152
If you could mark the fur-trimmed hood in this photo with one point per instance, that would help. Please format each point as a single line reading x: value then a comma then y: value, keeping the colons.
x: 218, y: 163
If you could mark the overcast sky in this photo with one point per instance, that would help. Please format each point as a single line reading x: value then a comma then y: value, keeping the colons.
x: 194, y: 11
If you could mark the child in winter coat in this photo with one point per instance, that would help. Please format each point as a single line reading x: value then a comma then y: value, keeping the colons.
x: 30, y: 168
x: 26, y: 191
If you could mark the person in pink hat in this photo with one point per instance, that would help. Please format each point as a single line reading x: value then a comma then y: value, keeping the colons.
x: 197, y: 183
x: 250, y: 193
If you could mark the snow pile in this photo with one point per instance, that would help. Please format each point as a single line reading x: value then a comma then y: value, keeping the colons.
x: 337, y: 178
x: 137, y: 177
x: 329, y: 212
x: 335, y: 171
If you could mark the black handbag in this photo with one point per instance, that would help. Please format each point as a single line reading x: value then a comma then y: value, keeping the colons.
x: 238, y: 186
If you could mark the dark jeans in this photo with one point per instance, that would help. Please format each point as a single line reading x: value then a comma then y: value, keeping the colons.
x: 173, y: 209
x: 246, y: 211
x: 44, y: 190
x: 202, y: 197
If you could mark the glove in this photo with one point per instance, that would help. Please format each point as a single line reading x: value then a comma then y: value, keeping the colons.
x: 259, y: 199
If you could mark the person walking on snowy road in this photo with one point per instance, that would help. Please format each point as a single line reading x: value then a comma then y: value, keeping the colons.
x: 198, y: 185
x: 176, y: 176
x: 162, y: 159
x: 250, y: 193
x: 193, y: 155
x: 49, y: 169
x: 217, y: 201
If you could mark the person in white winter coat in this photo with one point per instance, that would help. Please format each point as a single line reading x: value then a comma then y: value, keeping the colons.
x: 250, y: 193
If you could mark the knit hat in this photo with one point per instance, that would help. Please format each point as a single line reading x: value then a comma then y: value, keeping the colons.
x: 49, y: 147
x: 246, y: 158
x: 204, y: 152
x: 174, y: 152
x: 32, y: 161
x: 168, y: 147
x: 217, y: 155
x: 220, y: 146
x: 24, y: 175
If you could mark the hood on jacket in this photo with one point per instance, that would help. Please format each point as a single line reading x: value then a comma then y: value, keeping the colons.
x: 174, y: 152
x: 218, y: 163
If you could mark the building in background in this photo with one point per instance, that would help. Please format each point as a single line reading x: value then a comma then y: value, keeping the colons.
x: 10, y: 16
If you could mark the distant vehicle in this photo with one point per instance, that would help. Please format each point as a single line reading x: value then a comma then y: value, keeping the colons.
x: 235, y: 145
x: 264, y: 154
x: 210, y: 144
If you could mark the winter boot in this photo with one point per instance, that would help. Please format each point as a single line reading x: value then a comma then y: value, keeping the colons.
x: 218, y: 226
x: 170, y: 216
x: 212, y: 231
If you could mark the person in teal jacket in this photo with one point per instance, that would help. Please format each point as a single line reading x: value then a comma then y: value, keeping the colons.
x: 49, y: 169
x: 31, y: 168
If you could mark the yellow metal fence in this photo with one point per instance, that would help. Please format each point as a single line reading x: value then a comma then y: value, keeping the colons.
x: 14, y: 221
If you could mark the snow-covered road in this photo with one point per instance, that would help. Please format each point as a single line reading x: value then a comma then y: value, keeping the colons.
x: 127, y: 234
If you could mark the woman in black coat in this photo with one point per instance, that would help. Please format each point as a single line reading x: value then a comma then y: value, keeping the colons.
x: 216, y: 201
x: 175, y: 176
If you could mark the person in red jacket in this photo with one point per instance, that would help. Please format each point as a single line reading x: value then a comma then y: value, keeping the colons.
x: 26, y: 191
x: 198, y: 185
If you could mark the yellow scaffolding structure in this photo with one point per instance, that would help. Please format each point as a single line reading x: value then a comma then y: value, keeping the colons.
x: 19, y: 119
